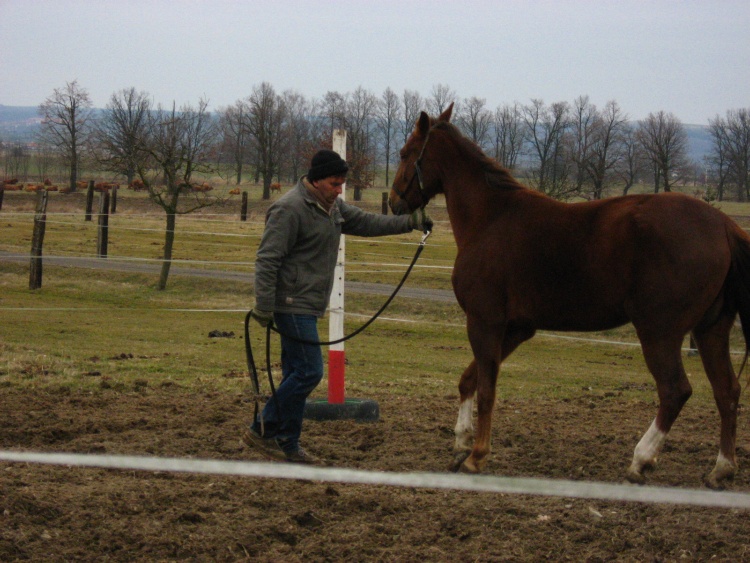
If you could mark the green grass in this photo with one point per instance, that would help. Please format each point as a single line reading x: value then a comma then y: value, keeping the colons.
x: 93, y: 329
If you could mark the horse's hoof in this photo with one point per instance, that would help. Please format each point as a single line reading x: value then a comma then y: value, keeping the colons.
x: 713, y: 483
x: 468, y: 467
x: 635, y: 477
x: 473, y: 464
x: 458, y: 461
x: 717, y: 480
x: 723, y: 471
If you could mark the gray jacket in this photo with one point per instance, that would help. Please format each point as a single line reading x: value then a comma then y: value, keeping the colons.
x: 296, y: 258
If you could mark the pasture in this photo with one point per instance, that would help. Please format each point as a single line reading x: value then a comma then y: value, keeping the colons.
x: 99, y: 361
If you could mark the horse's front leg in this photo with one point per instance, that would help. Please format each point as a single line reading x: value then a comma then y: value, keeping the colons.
x: 464, y: 430
x: 487, y: 371
x: 479, y: 377
x: 491, y: 345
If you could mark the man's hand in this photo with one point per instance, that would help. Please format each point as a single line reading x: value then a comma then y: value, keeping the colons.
x: 420, y: 220
x: 264, y: 318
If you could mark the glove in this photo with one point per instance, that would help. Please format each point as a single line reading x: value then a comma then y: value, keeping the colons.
x: 264, y: 318
x: 420, y: 220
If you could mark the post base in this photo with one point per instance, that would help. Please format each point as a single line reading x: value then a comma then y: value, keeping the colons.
x: 359, y: 410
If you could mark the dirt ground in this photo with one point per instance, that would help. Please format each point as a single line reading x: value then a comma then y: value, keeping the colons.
x: 50, y: 513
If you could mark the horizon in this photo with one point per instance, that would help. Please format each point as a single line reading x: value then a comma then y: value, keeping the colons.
x: 699, y: 143
x: 35, y: 108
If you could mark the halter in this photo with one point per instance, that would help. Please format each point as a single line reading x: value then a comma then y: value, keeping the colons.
x: 417, y: 174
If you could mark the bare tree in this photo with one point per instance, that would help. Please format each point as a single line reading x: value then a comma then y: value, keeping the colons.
x: 16, y: 160
x: 333, y: 110
x: 266, y: 123
x: 732, y: 144
x: 582, y: 123
x: 388, y: 110
x: 233, y: 133
x: 412, y: 105
x: 605, y: 146
x: 633, y: 162
x: 117, y: 132
x: 665, y: 141
x: 440, y: 98
x: 508, y: 139
x: 359, y: 121
x: 300, y: 133
x: 474, y: 120
x: 66, y: 123
x: 176, y: 145
x: 44, y: 159
x: 719, y: 157
x: 545, y: 129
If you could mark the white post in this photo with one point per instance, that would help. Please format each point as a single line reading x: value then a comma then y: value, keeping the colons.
x: 336, y: 359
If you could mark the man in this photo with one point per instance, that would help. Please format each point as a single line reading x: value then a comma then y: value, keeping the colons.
x: 294, y: 272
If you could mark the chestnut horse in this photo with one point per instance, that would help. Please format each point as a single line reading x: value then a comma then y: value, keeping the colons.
x: 669, y: 264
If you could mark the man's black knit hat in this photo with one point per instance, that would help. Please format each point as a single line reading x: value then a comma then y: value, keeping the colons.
x: 326, y: 163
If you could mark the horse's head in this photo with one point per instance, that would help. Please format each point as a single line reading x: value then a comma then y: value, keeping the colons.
x: 414, y: 186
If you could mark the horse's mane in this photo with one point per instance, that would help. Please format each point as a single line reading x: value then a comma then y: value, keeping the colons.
x: 497, y: 176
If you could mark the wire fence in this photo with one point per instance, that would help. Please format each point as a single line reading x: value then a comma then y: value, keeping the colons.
x: 362, y: 262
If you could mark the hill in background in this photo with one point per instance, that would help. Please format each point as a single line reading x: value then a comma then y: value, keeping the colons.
x: 18, y: 123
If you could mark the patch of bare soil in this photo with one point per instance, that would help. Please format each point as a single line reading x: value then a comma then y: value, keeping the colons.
x: 52, y: 513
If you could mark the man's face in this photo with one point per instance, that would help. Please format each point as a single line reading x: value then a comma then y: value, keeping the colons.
x: 330, y: 187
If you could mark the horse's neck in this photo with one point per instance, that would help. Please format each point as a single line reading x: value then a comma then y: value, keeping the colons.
x: 472, y: 204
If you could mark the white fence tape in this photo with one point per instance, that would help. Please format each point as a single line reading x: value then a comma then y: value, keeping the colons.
x: 477, y: 483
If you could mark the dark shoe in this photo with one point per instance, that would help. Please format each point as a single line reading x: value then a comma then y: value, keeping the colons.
x: 268, y: 446
x: 301, y: 456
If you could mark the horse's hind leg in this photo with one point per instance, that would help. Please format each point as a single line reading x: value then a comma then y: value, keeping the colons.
x: 467, y: 387
x: 713, y: 345
x: 663, y: 358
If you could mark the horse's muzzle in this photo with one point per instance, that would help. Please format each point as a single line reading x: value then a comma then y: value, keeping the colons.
x: 400, y: 207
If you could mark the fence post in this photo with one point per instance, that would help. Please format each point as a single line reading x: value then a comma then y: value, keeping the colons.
x: 385, y: 203
x: 113, y: 202
x: 2, y: 193
x: 102, y: 231
x: 338, y: 406
x: 89, y: 200
x: 243, y: 207
x: 37, y: 241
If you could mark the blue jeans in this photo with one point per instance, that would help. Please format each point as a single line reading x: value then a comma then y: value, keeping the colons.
x: 302, y: 370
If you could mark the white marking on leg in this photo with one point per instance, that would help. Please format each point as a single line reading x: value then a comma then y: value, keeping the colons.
x: 724, y: 465
x: 725, y: 469
x: 647, y: 450
x: 465, y: 425
x: 722, y: 459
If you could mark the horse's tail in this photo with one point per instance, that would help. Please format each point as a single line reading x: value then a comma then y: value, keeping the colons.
x: 738, y: 283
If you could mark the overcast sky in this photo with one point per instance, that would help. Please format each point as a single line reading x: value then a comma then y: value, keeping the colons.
x: 690, y: 58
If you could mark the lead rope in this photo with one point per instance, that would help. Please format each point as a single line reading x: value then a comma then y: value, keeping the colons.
x: 258, y: 398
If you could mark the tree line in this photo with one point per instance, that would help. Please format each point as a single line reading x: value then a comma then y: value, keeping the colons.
x: 564, y: 149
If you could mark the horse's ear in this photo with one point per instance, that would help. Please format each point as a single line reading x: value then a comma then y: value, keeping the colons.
x: 446, y: 115
x: 423, y: 124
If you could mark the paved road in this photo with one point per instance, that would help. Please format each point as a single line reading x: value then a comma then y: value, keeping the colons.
x: 142, y: 267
